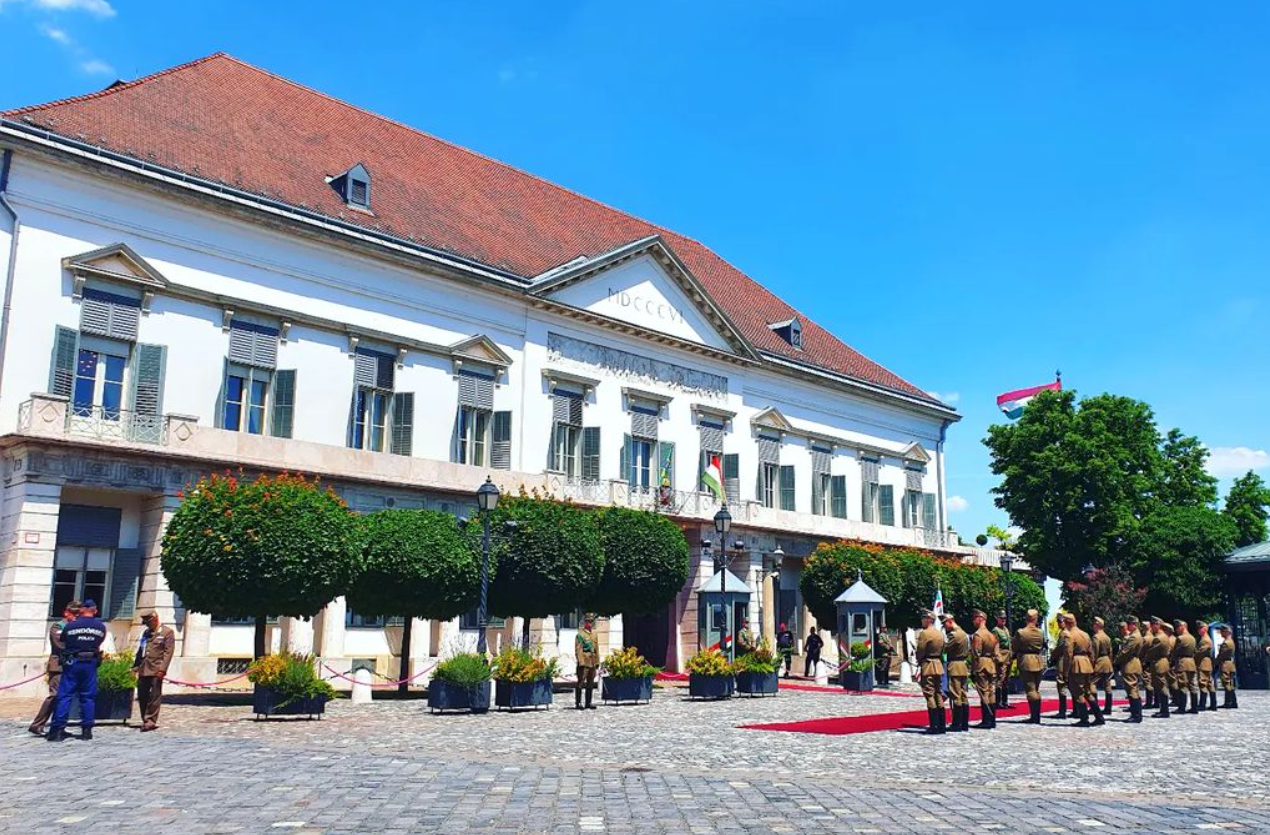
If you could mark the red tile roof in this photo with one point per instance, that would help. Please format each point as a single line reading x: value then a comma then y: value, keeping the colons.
x: 224, y: 120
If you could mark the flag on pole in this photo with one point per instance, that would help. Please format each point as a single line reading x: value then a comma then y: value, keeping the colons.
x: 938, y: 608
x: 1013, y: 402
x: 712, y: 478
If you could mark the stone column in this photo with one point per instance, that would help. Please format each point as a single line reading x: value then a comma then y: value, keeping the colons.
x: 28, y: 533
x: 196, y: 636
x: 154, y: 594
x: 297, y: 635
x: 329, y: 626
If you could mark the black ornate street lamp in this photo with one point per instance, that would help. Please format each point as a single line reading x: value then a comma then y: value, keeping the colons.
x: 1007, y: 565
x: 486, y: 499
x: 722, y: 524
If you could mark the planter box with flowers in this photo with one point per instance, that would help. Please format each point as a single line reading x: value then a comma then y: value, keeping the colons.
x: 460, y: 682
x: 522, y: 678
x: 287, y: 684
x: 756, y: 672
x: 710, y: 675
x: 628, y: 677
x: 116, y: 683
x: 857, y: 675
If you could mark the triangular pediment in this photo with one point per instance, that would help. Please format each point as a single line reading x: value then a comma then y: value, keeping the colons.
x: 482, y: 350
x: 916, y: 452
x: 771, y: 418
x: 645, y: 285
x: 117, y: 262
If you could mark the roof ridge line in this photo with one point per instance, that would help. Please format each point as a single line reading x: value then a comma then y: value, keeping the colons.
x: 117, y: 87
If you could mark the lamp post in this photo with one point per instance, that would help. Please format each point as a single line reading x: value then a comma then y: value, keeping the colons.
x: 1007, y: 565
x: 723, y: 524
x: 486, y: 499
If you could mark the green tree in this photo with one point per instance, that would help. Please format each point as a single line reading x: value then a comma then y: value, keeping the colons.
x: 551, y: 562
x: 1006, y: 541
x: 645, y: 562
x: 1179, y: 560
x: 1077, y: 478
x: 1184, y: 482
x: 414, y: 564
x: 1246, y: 506
x: 1110, y: 593
x: 279, y: 545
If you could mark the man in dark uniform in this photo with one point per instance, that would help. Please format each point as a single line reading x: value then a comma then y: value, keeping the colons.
x: 930, y: 662
x: 1184, y: 669
x: 154, y: 656
x: 883, y: 652
x: 1129, y: 662
x: 1005, y: 655
x: 1028, y: 643
x: 1102, y: 663
x: 785, y: 647
x: 53, y: 668
x: 586, y: 651
x: 1226, y: 666
x: 82, y: 639
x: 811, y: 652
x: 1204, y: 663
x: 957, y: 650
x: 984, y: 646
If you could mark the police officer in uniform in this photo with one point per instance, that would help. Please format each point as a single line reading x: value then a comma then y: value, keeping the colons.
x: 1058, y: 660
x: 1148, y: 637
x: 1129, y: 662
x: 1184, y: 669
x: 1158, y: 659
x: 957, y: 650
x: 1226, y: 666
x: 1028, y: 643
x: 1080, y: 650
x: 1005, y: 655
x: 81, y: 641
x: 930, y: 660
x: 984, y: 644
x: 53, y: 668
x: 1102, y: 663
x: 586, y: 650
x: 1204, y: 664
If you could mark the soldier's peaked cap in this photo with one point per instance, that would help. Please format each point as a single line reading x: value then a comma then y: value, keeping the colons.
x: 1200, y: 623
x: 1179, y: 622
x: 1002, y: 615
x: 927, y: 613
x: 979, y: 613
x: 1132, y: 619
x: 1098, y: 620
x: 946, y: 616
x: 1032, y: 613
x: 1157, y: 619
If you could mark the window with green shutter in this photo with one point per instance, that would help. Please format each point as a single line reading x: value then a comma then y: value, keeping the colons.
x: 591, y: 453
x: 401, y: 441
x: 62, y: 369
x: 501, y: 445
x: 838, y: 502
x: 732, y: 477
x: 149, y: 364
x: 787, y: 487
x: 283, y: 417
x: 930, y: 519
x: 886, y: 504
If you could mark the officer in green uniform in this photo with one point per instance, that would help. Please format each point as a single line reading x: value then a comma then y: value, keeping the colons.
x: 1204, y: 664
x: 1102, y: 663
x: 1005, y: 655
x: 1184, y: 669
x: 984, y: 647
x: 957, y: 649
x: 930, y: 662
x: 586, y: 650
x: 1028, y: 643
x: 1058, y: 660
x: 1158, y: 659
x: 1129, y: 662
x: 1226, y: 666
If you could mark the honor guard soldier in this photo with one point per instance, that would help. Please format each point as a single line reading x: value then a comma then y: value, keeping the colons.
x: 586, y: 650
x: 1102, y: 663
x: 957, y: 650
x: 1170, y: 676
x: 154, y: 656
x: 1184, y: 669
x: 81, y: 640
x: 1129, y: 662
x: 1158, y: 659
x: 1226, y: 666
x: 1204, y: 664
x: 1028, y: 644
x: 1148, y: 638
x: 1005, y: 655
x: 53, y: 668
x: 930, y: 661
x: 984, y: 644
x: 1058, y: 660
x: 1080, y: 651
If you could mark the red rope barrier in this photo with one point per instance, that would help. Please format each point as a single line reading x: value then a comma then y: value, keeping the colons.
x: 338, y: 674
x: 205, y: 684
x: 22, y: 682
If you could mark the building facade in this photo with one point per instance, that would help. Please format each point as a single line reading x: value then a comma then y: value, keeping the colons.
x: 213, y: 268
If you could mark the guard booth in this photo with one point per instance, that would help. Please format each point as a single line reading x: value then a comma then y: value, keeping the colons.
x: 722, y: 602
x: 861, y: 612
x: 1248, y: 599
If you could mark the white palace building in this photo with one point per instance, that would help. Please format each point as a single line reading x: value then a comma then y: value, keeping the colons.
x: 215, y: 268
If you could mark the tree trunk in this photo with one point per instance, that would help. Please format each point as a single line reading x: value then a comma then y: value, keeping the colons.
x: 524, y: 633
x: 404, y: 671
x: 259, y: 648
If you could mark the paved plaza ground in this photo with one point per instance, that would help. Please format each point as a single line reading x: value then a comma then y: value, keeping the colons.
x: 670, y: 767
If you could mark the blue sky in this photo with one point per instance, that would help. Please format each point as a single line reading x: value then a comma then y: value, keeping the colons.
x: 974, y: 194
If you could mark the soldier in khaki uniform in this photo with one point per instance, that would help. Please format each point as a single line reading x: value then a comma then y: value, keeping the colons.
x: 586, y: 650
x: 1226, y: 666
x: 1204, y: 664
x: 154, y: 656
x: 1170, y: 676
x: 1148, y: 637
x: 1027, y: 645
x: 1080, y: 652
x: 1129, y: 662
x: 1184, y: 669
x: 53, y: 668
x: 1058, y: 660
x: 957, y: 649
x: 1158, y: 659
x: 930, y: 661
x: 985, y: 648
x: 1005, y: 655
x: 1102, y: 664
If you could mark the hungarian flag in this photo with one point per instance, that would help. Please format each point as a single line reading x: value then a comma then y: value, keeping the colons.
x: 712, y: 478
x: 938, y: 608
x: 1013, y: 402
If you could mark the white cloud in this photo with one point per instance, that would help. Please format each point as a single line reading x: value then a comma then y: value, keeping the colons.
x: 55, y: 34
x: 956, y: 504
x: 949, y: 397
x: 1236, y: 460
x: 100, y: 8
x: 96, y: 67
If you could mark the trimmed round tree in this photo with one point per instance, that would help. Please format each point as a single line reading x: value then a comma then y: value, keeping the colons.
x: 278, y: 545
x: 414, y: 564
x: 645, y: 562
x: 549, y: 563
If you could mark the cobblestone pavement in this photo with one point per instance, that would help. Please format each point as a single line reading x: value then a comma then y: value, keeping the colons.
x: 670, y: 767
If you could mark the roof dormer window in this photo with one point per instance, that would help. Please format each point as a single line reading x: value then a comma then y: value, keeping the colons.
x: 790, y: 330
x: 354, y: 186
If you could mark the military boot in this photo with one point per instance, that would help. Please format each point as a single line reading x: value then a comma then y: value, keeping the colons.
x: 1034, y: 713
x: 1062, y: 707
x: 1194, y: 703
x: 55, y: 735
x: 1212, y: 700
x: 1107, y: 708
x: 86, y: 734
x: 1135, y: 711
x: 933, y: 722
x: 590, y: 691
x: 1150, y: 702
x: 577, y: 698
x: 1179, y: 702
x: 1098, y: 718
x: 1081, y: 711
x: 1234, y: 700
x: 1163, y: 712
x: 985, y: 718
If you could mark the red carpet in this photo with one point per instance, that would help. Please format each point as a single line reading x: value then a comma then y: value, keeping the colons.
x: 916, y: 719
x: 817, y: 688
